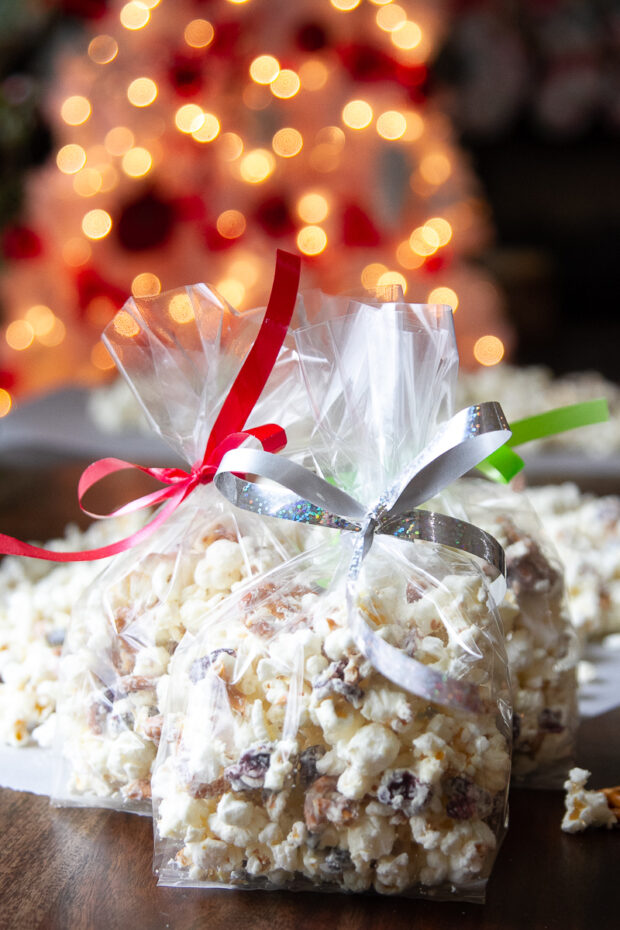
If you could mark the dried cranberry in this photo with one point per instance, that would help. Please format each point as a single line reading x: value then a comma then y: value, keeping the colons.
x: 516, y: 727
x: 337, y: 860
x: 249, y: 772
x: 324, y: 804
x: 199, y: 667
x: 342, y: 678
x: 550, y: 721
x: 467, y: 800
x: 307, y: 764
x: 403, y: 791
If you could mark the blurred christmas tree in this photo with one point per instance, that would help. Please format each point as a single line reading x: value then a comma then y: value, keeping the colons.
x: 192, y: 138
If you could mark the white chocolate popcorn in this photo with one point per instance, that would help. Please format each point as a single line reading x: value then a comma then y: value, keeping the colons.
x: 115, y: 667
x: 351, y: 782
x: 585, y: 808
x: 36, y: 601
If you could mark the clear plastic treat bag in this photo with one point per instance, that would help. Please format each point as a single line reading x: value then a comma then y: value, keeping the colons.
x: 344, y: 723
x: 541, y: 641
x: 181, y: 353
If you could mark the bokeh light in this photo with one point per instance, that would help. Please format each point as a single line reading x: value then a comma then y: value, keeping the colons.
x: 286, y: 84
x: 103, y: 49
x: 357, y: 114
x: 257, y: 165
x: 19, y: 335
x: 488, y: 350
x: 137, y: 162
x: 180, y: 308
x: 199, y: 33
x: 264, y: 69
x: 231, y: 224
x: 311, y: 240
x: 312, y: 207
x: 75, y: 110
x: 444, y: 295
x: 142, y: 92
x: 145, y: 284
x: 101, y: 358
x: 5, y: 402
x: 287, y: 142
x: 125, y: 325
x: 135, y: 15
x: 96, y: 224
x: 70, y: 158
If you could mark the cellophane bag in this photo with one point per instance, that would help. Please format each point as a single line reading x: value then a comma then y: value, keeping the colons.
x: 180, y: 353
x: 287, y: 760
x: 541, y: 642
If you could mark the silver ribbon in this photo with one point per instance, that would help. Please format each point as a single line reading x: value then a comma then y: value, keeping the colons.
x: 459, y: 445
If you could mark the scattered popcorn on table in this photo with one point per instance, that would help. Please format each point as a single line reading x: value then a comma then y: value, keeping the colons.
x: 586, y: 532
x: 115, y: 663
x: 589, y: 808
x: 36, y: 600
x: 291, y: 762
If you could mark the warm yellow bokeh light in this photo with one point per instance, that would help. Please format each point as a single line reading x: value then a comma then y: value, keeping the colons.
x: 357, y: 114
x: 390, y: 17
x: 75, y: 110
x: 407, y: 258
x: 331, y: 135
x: 19, y: 335
x: 435, y: 168
x: 71, y: 158
x: 391, y: 125
x: 257, y: 165
x: 424, y: 241
x: 444, y: 295
x: 407, y: 36
x: 231, y: 224
x: 87, y: 182
x: 41, y: 319
x: 189, y: 118
x: 180, y: 308
x: 103, y: 49
x: 135, y: 15
x: 145, y: 284
x: 230, y: 146
x: 286, y: 84
x: 313, y: 74
x: 5, y: 402
x: 312, y: 207
x: 345, y: 5
x: 55, y: 336
x: 137, y: 162
x: 488, y: 350
x: 393, y: 279
x: 209, y: 130
x: 287, y: 142
x: 371, y: 274
x: 231, y: 290
x: 76, y: 252
x: 264, y: 69
x: 125, y: 325
x: 109, y: 177
x: 101, y: 358
x: 415, y: 126
x: 96, y: 224
x: 199, y: 33
x: 441, y: 227
x: 119, y: 140
x: 245, y: 270
x: 311, y: 240
x: 142, y: 92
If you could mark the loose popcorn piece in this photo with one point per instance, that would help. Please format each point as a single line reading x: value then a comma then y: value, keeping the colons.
x: 114, y: 671
x: 589, y: 808
x: 586, y: 532
x: 36, y: 601
x: 311, y: 768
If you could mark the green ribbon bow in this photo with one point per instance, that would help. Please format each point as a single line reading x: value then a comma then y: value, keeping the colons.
x: 503, y: 464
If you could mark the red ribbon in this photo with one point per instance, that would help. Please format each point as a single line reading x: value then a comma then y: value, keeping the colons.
x: 227, y: 432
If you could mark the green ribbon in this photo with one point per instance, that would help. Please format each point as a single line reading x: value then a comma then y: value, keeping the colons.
x: 503, y: 464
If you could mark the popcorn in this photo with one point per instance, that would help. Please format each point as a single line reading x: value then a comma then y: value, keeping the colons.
x: 36, y: 602
x: 356, y: 784
x: 586, y: 532
x: 588, y: 808
x: 114, y: 674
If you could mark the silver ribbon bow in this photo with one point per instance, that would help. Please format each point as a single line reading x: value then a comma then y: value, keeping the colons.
x: 459, y: 445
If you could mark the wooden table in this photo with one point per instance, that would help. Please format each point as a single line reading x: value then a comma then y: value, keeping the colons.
x: 76, y: 869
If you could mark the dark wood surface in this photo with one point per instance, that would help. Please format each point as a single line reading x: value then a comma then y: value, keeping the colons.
x: 76, y: 869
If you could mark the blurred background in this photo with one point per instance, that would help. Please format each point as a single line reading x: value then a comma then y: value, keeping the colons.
x: 467, y: 151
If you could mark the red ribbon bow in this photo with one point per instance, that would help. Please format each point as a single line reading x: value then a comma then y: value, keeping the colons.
x: 227, y: 432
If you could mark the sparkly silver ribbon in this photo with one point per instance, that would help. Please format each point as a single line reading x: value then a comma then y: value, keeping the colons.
x: 459, y: 445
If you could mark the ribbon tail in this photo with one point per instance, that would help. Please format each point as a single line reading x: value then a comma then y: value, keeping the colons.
x: 503, y: 464
x: 11, y: 546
